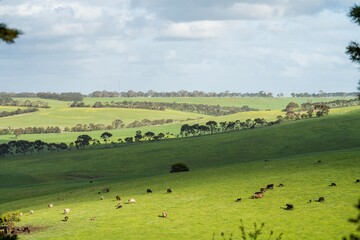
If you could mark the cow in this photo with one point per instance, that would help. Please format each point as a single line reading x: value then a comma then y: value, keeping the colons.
x: 238, y: 200
x: 270, y: 186
x: 164, y: 214
x: 131, y: 200
x: 257, y: 195
x: 280, y: 185
x: 169, y: 190
x: 66, y: 218
x: 101, y: 197
x: 289, y: 206
x: 148, y: 190
x: 332, y: 184
x: 31, y: 211
x: 357, y: 181
x: 66, y: 210
x: 118, y: 206
x: 118, y: 198
x: 321, y: 199
x: 50, y: 205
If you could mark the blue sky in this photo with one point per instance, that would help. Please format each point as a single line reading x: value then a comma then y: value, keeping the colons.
x: 169, y: 45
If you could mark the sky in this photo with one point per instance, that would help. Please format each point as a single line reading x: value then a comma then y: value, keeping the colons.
x: 278, y: 46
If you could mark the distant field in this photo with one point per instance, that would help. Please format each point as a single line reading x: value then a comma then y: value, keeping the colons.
x: 256, y: 102
x: 223, y: 167
x: 62, y: 116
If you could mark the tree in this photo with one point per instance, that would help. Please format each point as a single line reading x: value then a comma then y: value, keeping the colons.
x: 82, y: 140
x: 353, y: 50
x: 105, y: 136
x: 8, y: 35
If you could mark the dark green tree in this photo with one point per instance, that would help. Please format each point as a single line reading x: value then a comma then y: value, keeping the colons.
x: 7, y: 34
x: 353, y: 50
x: 82, y: 141
x: 105, y: 136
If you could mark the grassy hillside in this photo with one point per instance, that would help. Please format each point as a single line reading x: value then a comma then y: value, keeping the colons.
x: 223, y: 168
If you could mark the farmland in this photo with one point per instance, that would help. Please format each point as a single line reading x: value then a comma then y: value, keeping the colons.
x: 223, y: 167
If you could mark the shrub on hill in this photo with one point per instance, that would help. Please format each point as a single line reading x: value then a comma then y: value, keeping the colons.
x: 179, y: 167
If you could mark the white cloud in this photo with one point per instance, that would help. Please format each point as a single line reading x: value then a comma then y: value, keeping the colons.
x: 194, y: 30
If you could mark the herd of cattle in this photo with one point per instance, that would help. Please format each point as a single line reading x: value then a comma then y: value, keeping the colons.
x: 256, y: 195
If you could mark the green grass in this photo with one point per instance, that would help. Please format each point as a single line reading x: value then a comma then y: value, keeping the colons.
x: 223, y: 167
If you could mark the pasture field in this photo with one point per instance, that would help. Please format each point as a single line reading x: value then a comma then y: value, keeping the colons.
x: 62, y: 116
x: 223, y: 167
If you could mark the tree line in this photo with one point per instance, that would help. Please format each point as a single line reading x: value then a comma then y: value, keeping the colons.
x: 212, y: 110
x: 23, y: 147
x: 9, y: 101
x: 29, y: 130
x: 324, y: 94
x: 64, y: 96
x: 17, y: 112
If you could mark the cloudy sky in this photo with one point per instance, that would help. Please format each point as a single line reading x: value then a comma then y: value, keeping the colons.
x: 169, y: 45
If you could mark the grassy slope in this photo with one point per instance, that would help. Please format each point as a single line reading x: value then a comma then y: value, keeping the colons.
x: 223, y: 167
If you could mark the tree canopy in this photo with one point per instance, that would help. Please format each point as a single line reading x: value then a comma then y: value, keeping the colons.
x: 8, y: 35
x: 353, y: 50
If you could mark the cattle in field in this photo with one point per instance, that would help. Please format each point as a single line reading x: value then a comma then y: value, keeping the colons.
x: 169, y: 190
x: 357, y: 181
x: 31, y: 211
x: 118, y: 206
x: 257, y: 195
x: 50, y: 205
x: 280, y: 185
x: 321, y: 199
x: 332, y: 184
x: 101, y: 197
x: 131, y: 200
x: 148, y: 190
x: 66, y: 218
x: 289, y: 206
x: 270, y: 186
x: 238, y: 200
x: 66, y: 210
x: 118, y: 198
x: 164, y: 214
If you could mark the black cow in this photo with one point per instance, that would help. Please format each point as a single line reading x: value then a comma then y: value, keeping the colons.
x: 118, y: 198
x: 148, y: 190
x: 238, y: 200
x: 270, y: 186
x: 289, y: 206
x: 332, y: 184
x: 321, y: 199
x: 169, y: 190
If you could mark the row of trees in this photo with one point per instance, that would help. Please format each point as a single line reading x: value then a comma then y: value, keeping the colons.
x: 212, y: 110
x: 8, y: 101
x: 29, y: 130
x: 64, y: 96
x: 17, y: 112
x: 324, y: 94
x: 23, y: 147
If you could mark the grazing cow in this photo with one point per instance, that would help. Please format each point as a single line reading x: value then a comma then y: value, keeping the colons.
x: 332, y: 184
x: 280, y: 185
x: 238, y: 200
x: 164, y: 214
x: 148, y: 190
x: 118, y: 206
x: 321, y: 199
x: 66, y: 210
x: 66, y: 218
x: 257, y: 195
x: 131, y: 200
x: 289, y: 206
x: 50, y: 205
x: 101, y: 197
x: 357, y: 181
x: 118, y: 198
x: 31, y: 211
x: 169, y: 190
x: 270, y: 186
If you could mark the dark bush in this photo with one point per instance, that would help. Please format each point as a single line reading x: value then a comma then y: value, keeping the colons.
x: 179, y: 167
